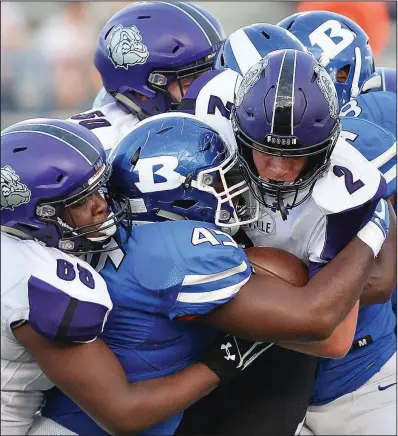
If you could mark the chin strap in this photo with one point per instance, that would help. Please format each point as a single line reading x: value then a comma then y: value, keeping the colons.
x: 282, y: 208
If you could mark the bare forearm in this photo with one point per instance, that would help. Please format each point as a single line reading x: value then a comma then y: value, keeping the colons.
x: 268, y: 309
x: 336, y: 346
x: 91, y: 375
x: 155, y: 400
x: 337, y: 287
x: 383, y: 275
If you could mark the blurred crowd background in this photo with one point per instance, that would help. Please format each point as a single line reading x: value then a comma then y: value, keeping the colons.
x: 47, y: 47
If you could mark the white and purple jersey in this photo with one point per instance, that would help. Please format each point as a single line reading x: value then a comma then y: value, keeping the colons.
x: 62, y: 298
x: 210, y: 98
x: 316, y: 231
x: 110, y: 123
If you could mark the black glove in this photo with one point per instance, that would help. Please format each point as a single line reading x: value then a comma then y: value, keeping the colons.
x: 229, y: 355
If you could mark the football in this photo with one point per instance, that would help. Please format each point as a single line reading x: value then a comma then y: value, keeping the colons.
x: 279, y: 263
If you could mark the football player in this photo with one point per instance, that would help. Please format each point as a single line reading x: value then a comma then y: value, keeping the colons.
x: 211, y: 99
x: 179, y: 166
x: 147, y: 55
x: 54, y: 305
x: 314, y: 190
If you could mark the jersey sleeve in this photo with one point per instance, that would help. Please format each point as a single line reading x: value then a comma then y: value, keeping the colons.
x: 214, y: 270
x: 347, y: 195
x: 110, y: 123
x: 376, y: 144
x: 210, y: 98
x: 68, y: 300
x: 196, y: 267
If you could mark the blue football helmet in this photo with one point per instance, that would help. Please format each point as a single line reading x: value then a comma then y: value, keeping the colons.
x: 47, y: 167
x: 248, y: 45
x: 174, y: 167
x: 341, y: 47
x: 147, y: 45
x: 286, y: 106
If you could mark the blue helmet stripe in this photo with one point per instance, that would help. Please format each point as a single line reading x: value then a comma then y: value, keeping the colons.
x: 82, y: 146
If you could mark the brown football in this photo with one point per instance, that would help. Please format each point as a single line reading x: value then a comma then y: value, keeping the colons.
x: 278, y: 263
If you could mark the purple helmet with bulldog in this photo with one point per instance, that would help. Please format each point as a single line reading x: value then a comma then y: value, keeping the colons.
x: 147, y: 45
x: 47, y: 167
x: 286, y: 106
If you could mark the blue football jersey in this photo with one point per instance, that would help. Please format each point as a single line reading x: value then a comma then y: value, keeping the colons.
x: 369, y: 123
x: 165, y: 271
x: 388, y: 79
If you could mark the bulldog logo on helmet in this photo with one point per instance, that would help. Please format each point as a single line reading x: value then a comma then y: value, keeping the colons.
x: 125, y: 47
x: 328, y: 90
x: 13, y: 192
x: 250, y: 79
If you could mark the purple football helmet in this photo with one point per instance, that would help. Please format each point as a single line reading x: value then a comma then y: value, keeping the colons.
x: 47, y: 166
x: 286, y: 106
x: 146, y: 46
x: 340, y: 45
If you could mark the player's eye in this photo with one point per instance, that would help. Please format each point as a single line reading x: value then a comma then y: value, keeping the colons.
x: 342, y: 74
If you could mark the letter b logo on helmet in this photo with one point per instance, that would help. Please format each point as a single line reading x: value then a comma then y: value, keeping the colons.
x: 157, y: 174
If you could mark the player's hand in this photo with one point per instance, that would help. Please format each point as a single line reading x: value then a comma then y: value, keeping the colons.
x: 376, y: 230
x: 228, y: 355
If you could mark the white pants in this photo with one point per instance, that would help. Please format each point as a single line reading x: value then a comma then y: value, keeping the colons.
x: 44, y: 426
x: 366, y: 411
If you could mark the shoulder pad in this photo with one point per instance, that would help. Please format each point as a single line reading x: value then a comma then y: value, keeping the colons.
x: 110, y: 123
x: 199, y: 265
x: 379, y: 108
x: 377, y: 144
x: 211, y: 98
x: 350, y: 181
x: 68, y: 300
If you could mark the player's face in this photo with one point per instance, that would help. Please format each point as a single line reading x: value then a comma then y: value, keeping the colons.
x: 280, y: 169
x: 342, y: 74
x: 92, y: 209
x: 178, y: 88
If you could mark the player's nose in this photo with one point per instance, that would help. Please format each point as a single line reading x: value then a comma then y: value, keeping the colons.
x: 99, y: 205
x: 278, y: 168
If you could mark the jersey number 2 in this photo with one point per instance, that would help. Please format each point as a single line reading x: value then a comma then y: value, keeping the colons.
x: 351, y: 186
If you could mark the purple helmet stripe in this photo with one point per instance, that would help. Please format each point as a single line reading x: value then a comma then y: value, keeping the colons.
x: 178, y: 5
x: 193, y: 6
x: 83, y: 147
